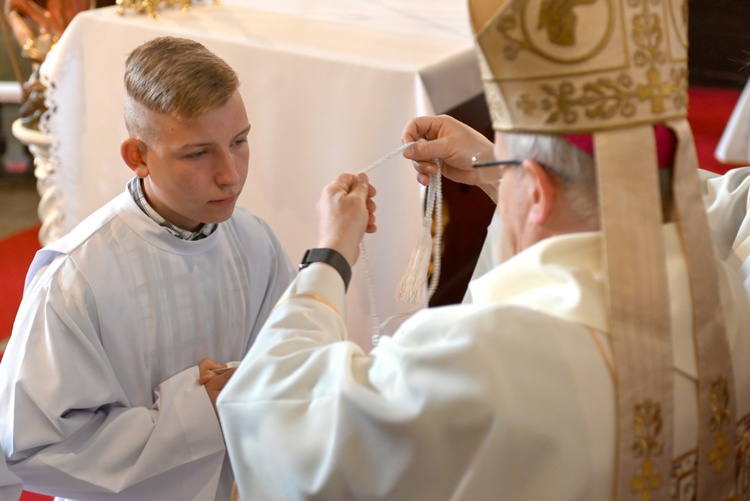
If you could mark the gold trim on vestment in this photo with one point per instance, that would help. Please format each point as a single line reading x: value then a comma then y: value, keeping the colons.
x: 314, y: 297
x: 614, y: 68
x: 712, y: 346
x: 605, y: 356
x: 648, y: 445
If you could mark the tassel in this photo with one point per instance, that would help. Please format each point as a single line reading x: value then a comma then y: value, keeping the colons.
x: 412, y: 286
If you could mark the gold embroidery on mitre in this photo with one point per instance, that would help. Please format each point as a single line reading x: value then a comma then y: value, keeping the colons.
x: 719, y: 421
x: 648, y: 445
x: 560, y: 20
x: 678, y: 10
x: 551, y: 29
x: 496, y: 104
x: 646, y: 84
x: 603, y: 98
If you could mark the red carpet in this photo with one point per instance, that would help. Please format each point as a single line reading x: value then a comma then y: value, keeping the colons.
x: 16, y: 253
x: 708, y: 112
x: 33, y: 496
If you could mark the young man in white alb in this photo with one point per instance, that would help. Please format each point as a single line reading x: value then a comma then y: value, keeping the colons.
x: 121, y: 317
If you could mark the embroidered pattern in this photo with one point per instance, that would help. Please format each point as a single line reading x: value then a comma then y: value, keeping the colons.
x: 684, y: 481
x: 684, y: 468
x: 558, y: 17
x: 605, y: 97
x: 548, y: 28
x: 719, y: 420
x: 648, y: 444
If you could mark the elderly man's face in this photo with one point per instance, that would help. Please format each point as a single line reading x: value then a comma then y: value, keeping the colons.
x: 514, y: 199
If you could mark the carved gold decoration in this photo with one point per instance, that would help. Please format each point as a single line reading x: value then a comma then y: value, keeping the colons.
x: 648, y: 444
x: 151, y: 7
x: 37, y: 25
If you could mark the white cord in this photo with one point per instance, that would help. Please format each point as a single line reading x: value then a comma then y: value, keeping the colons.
x: 433, y: 203
x: 389, y: 156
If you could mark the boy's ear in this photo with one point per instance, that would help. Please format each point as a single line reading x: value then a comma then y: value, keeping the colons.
x: 543, y: 191
x: 133, y: 152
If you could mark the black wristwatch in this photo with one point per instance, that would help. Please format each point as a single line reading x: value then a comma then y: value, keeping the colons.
x: 329, y: 256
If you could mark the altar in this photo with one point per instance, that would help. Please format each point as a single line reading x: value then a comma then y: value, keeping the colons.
x: 328, y: 84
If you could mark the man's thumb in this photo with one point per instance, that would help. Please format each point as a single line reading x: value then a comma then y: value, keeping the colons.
x: 360, y: 185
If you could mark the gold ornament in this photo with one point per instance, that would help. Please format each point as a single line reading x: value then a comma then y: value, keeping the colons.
x: 151, y: 7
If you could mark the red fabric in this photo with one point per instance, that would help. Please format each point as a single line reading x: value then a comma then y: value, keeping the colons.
x: 709, y: 110
x: 666, y: 141
x: 584, y: 142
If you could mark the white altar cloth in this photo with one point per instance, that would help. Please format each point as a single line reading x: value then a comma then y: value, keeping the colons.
x: 329, y: 86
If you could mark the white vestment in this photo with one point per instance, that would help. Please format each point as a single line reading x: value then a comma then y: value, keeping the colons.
x: 510, y: 397
x: 99, y: 380
x: 727, y: 199
x: 10, y: 485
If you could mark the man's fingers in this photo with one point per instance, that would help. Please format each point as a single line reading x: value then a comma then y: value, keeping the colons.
x: 426, y: 151
x: 207, y: 364
x: 217, y: 380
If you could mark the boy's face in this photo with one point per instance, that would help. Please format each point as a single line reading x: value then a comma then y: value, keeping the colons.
x: 195, y: 169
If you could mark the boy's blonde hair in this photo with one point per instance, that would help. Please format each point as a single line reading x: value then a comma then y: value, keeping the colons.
x: 175, y: 76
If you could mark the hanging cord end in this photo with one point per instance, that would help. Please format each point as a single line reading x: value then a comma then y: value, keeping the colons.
x: 412, y: 286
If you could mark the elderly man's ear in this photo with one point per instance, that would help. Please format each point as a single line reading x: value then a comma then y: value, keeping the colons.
x: 543, y: 191
x: 133, y: 152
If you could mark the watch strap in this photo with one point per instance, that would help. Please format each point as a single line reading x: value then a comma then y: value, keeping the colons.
x: 330, y: 257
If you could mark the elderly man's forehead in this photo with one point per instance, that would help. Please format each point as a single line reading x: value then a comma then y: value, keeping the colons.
x: 501, y: 143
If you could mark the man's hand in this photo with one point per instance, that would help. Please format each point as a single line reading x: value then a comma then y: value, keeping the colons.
x: 211, y: 381
x: 346, y: 212
x: 448, y: 140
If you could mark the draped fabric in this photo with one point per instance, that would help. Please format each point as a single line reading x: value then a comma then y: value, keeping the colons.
x: 508, y: 397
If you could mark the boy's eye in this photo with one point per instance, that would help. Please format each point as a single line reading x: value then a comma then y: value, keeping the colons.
x: 197, y: 154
